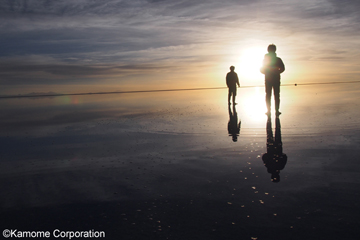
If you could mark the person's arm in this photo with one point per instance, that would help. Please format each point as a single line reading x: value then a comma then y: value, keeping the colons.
x: 281, y: 66
x: 262, y: 69
x: 227, y: 80
x: 237, y: 80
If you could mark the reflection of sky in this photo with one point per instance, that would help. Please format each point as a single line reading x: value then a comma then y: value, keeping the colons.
x: 82, y: 46
x: 90, y: 120
x: 298, y: 103
x: 159, y: 153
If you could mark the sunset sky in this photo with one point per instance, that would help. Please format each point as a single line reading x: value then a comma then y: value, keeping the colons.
x: 69, y: 46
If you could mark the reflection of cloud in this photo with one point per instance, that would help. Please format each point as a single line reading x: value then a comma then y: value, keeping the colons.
x: 16, y: 121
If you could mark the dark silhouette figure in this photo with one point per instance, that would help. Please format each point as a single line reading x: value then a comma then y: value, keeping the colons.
x: 231, y: 81
x: 233, y: 125
x: 274, y: 160
x: 272, y: 67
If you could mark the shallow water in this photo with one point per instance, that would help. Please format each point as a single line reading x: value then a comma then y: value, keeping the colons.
x: 164, y: 166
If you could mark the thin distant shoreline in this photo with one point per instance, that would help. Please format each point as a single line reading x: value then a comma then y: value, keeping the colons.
x: 154, y: 90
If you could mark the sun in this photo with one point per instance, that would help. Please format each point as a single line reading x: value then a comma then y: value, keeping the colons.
x: 250, y: 62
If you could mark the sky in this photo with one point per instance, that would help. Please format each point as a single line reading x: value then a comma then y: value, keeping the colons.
x: 71, y: 46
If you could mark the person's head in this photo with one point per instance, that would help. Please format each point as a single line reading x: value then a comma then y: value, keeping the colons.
x: 271, y: 48
x: 232, y: 68
x: 234, y: 137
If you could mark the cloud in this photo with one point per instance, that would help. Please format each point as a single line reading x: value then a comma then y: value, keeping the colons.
x: 18, y: 72
x: 88, y: 39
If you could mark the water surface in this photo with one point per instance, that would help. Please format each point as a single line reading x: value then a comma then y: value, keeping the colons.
x: 164, y: 166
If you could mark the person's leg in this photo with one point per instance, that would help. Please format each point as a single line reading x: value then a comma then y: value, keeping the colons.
x: 277, y: 97
x: 234, y: 95
x: 229, y: 96
x: 268, y: 89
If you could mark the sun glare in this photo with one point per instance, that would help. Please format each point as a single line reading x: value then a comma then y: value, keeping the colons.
x: 253, y: 103
x: 250, y: 63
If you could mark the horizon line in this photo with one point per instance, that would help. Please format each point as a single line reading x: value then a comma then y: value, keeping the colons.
x: 158, y: 90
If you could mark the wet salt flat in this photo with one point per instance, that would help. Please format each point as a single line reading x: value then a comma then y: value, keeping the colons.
x: 163, y: 165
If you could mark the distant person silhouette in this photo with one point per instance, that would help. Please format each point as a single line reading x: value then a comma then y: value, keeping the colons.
x: 272, y: 67
x: 231, y: 81
x: 274, y: 160
x: 233, y: 125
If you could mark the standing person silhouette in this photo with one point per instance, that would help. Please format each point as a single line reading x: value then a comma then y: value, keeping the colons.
x: 272, y: 67
x: 231, y: 81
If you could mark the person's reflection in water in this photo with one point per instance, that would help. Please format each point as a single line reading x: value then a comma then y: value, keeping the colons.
x: 274, y: 160
x: 233, y: 125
